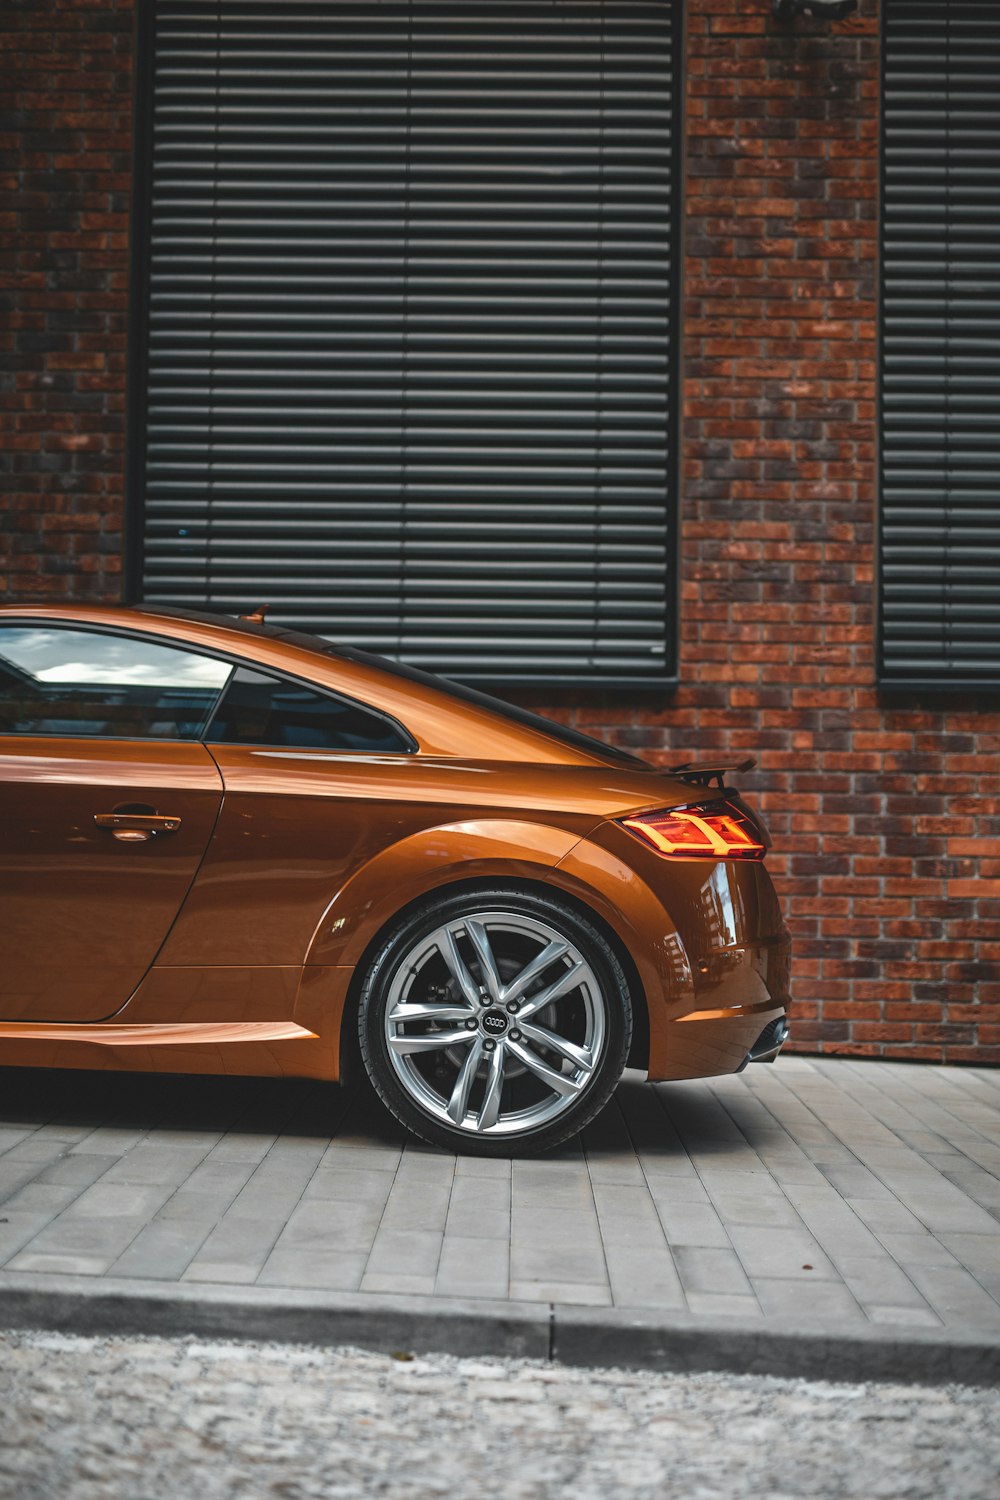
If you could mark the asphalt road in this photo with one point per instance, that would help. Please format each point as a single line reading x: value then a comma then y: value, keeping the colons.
x: 148, y: 1419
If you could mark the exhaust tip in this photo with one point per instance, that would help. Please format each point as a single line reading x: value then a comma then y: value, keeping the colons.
x: 770, y: 1042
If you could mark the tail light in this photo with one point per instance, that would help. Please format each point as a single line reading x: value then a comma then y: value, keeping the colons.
x: 704, y: 830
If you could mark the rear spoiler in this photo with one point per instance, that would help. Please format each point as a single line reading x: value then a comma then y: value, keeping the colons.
x: 704, y: 772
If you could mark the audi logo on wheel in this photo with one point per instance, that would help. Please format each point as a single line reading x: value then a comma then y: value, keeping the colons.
x: 495, y: 1023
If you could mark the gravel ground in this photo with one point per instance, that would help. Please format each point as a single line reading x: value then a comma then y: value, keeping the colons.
x: 144, y: 1418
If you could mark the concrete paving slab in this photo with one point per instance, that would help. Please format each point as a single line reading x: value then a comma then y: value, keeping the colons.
x: 781, y: 1252
x: 336, y: 1184
x: 957, y: 1296
x: 323, y: 1224
x: 473, y: 1267
x: 828, y: 1302
x: 235, y: 1250
x: 914, y: 1317
x: 406, y: 1252
x: 410, y: 1207
x: 688, y: 1206
x: 76, y: 1171
x: 164, y: 1249
x: 42, y: 1199
x: 642, y: 1275
x: 877, y: 1281
x: 17, y: 1229
x: 710, y: 1270
x: 89, y: 1237
x: 487, y: 1224
x: 725, y: 1305
x: 118, y: 1200
x: 333, y: 1270
x: 978, y: 1252
x: 917, y: 1250
x: 691, y: 1224
x: 979, y: 1185
x: 545, y: 1257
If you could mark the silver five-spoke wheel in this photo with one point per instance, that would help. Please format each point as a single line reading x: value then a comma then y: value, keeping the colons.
x: 496, y: 1022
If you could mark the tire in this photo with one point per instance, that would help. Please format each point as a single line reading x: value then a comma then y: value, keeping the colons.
x: 495, y: 1022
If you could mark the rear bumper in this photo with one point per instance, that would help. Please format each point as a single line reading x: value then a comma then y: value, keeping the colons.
x: 705, y: 1047
x: 740, y: 1014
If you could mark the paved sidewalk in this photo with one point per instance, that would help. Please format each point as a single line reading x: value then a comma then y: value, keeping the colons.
x: 817, y: 1194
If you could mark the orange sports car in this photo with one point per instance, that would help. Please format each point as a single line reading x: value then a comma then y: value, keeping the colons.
x: 229, y: 848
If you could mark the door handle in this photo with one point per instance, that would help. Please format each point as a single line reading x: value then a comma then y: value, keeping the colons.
x: 136, y: 828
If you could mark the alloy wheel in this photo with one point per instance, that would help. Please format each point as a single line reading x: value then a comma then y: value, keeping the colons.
x: 495, y: 1023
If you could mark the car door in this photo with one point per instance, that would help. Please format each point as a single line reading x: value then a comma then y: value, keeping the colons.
x: 315, y: 785
x: 108, y: 800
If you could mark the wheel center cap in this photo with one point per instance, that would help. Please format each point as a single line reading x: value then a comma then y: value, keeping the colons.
x: 494, y: 1023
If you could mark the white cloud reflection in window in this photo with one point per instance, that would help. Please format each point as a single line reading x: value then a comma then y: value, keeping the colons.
x: 82, y: 656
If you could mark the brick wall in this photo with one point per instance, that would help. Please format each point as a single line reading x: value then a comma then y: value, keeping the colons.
x: 886, y: 816
x: 65, y: 160
x: 886, y: 835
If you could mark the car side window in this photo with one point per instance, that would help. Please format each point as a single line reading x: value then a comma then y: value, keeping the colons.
x: 59, y: 680
x: 258, y: 709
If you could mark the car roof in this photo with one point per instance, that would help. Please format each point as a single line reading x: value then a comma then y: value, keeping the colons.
x: 445, y: 718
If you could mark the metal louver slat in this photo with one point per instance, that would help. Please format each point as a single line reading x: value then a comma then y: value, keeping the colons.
x: 409, y: 302
x: 940, y: 367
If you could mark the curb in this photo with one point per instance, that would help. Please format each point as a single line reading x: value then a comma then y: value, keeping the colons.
x: 572, y: 1335
x: 685, y: 1343
x: 76, y: 1304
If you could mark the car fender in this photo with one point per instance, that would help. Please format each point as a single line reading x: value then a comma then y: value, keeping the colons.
x: 621, y: 898
x: 477, y: 849
x: 509, y: 849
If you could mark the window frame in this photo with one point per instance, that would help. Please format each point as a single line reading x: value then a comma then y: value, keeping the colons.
x: 277, y: 675
x: 659, y: 685
x: 891, y: 684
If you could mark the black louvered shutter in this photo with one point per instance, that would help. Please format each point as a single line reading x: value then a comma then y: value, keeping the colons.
x: 410, y: 292
x: 940, y: 379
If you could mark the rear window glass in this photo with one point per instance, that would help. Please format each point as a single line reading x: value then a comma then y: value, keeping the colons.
x: 258, y: 709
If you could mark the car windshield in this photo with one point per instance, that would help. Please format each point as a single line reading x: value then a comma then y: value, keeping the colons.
x: 457, y: 690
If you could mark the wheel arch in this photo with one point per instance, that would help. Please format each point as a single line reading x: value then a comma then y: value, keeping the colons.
x: 350, y: 1055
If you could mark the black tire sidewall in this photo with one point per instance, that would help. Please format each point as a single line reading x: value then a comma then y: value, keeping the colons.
x: 423, y: 920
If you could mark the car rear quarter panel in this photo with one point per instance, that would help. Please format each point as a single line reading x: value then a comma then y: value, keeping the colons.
x: 314, y: 857
x: 707, y: 939
x: 300, y: 833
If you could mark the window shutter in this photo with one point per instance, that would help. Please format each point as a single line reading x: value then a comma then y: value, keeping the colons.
x: 940, y: 373
x: 410, y: 294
